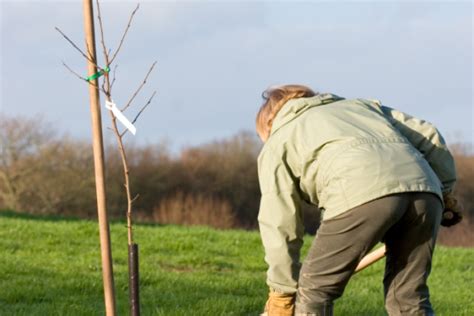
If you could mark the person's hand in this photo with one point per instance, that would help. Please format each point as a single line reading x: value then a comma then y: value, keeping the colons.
x: 452, y: 213
x: 280, y: 304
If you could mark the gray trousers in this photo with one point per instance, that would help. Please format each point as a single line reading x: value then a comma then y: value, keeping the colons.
x: 408, y: 224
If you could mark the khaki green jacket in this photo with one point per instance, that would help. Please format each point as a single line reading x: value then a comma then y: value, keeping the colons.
x: 339, y: 154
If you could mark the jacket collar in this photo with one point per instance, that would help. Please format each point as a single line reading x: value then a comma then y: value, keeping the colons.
x: 295, y: 107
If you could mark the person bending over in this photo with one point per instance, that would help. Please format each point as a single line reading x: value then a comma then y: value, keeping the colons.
x: 377, y: 174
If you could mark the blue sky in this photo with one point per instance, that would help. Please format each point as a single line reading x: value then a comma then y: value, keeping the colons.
x: 215, y: 58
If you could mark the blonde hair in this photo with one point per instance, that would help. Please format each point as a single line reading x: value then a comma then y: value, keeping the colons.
x: 274, y: 99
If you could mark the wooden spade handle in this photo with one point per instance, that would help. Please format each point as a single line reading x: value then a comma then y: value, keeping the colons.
x: 371, y: 258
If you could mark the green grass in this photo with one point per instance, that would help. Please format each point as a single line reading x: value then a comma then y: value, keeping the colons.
x: 52, y: 266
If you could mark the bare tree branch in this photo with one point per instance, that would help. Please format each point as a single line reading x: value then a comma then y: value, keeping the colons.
x: 113, y: 78
x: 106, y: 82
x: 101, y: 28
x: 82, y: 78
x: 90, y: 53
x: 140, y: 112
x: 77, y: 48
x: 139, y: 88
x: 75, y: 73
x: 125, y: 33
x: 135, y: 198
x: 144, y: 107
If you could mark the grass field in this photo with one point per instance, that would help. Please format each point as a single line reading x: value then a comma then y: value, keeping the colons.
x: 52, y: 267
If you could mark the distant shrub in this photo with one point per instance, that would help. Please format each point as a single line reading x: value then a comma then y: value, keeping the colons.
x: 190, y: 209
x: 463, y: 233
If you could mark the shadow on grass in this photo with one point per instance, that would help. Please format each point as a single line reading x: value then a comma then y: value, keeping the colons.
x: 69, y: 218
x: 41, y: 217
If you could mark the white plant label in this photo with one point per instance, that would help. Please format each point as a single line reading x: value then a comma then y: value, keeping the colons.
x: 119, y: 115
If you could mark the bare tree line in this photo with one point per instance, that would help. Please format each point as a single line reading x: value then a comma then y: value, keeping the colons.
x: 43, y: 172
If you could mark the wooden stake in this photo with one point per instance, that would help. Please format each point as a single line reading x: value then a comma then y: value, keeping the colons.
x: 98, y: 148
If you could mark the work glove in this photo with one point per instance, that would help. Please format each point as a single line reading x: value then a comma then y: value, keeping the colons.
x: 280, y: 304
x: 452, y: 213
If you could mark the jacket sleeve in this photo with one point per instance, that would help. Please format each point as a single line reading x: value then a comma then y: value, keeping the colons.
x: 280, y: 223
x: 428, y: 140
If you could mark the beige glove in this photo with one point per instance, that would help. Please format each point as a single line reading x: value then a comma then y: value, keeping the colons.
x: 280, y: 304
x: 452, y: 213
